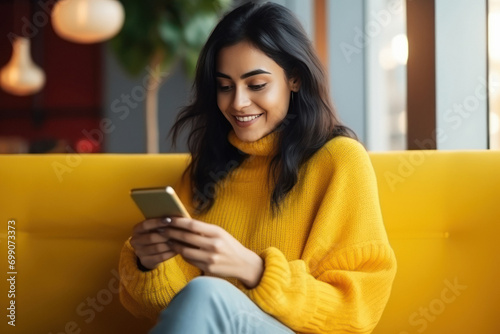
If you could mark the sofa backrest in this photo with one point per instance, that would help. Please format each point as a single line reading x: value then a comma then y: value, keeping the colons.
x: 72, y: 214
x: 441, y: 210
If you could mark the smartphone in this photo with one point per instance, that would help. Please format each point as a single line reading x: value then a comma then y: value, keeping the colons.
x: 158, y: 202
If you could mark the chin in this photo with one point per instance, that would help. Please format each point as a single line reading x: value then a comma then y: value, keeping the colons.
x: 249, y: 137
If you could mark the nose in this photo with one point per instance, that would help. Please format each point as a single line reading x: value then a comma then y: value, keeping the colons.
x: 240, y: 99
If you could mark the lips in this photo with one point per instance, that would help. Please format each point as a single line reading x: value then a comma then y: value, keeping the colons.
x: 247, y: 118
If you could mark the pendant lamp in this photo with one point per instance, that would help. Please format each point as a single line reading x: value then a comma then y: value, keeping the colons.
x: 87, y: 21
x: 21, y: 76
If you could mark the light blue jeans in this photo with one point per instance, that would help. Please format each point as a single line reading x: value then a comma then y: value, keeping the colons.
x: 209, y: 305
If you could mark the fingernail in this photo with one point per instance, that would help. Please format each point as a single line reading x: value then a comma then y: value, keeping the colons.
x: 166, y: 220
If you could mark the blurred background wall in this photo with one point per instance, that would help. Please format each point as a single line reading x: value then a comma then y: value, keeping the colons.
x: 440, y: 94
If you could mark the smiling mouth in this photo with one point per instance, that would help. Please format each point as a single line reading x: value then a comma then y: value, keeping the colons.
x: 247, y: 118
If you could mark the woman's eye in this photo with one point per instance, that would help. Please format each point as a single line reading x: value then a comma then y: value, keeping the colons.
x: 224, y: 88
x: 257, y: 87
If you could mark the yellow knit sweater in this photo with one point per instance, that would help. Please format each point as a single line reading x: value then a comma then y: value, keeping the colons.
x: 329, y: 267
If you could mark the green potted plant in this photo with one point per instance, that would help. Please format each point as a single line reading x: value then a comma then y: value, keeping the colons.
x: 161, y: 34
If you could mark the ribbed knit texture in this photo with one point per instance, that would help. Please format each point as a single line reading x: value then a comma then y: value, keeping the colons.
x: 329, y: 267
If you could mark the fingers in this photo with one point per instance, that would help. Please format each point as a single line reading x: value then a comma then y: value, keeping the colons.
x: 153, y: 249
x: 149, y: 244
x: 187, y: 237
x: 196, y: 241
x: 152, y: 261
x: 195, y: 226
x: 191, y: 254
x: 141, y: 240
x: 149, y: 225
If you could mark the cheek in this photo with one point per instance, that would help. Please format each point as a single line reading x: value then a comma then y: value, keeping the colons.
x: 276, y: 104
x: 222, y: 102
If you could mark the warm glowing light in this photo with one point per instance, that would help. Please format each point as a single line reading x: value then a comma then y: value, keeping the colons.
x: 386, y: 60
x: 84, y: 145
x: 402, y: 121
x: 494, y: 83
x: 21, y: 76
x: 494, y: 35
x: 395, y: 55
x: 494, y: 123
x: 87, y: 21
x: 82, y: 12
x: 399, y: 48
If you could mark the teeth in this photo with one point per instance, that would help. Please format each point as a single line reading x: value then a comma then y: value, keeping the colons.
x: 246, y: 118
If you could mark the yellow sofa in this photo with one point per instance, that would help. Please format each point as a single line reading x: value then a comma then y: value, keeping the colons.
x: 73, y: 212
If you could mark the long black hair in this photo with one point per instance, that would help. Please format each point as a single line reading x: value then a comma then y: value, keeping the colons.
x: 311, y: 120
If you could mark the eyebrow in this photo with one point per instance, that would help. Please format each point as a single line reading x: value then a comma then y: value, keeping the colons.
x: 243, y: 76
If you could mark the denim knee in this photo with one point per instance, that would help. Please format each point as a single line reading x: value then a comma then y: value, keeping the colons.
x: 208, y: 305
x: 205, y: 289
x: 204, y: 282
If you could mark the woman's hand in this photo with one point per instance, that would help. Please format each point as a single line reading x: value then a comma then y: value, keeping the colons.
x: 149, y: 244
x: 213, y: 250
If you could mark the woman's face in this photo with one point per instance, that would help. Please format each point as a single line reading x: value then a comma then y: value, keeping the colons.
x: 253, y: 91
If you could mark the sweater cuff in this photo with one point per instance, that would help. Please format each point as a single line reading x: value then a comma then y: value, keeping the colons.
x: 289, y: 293
x: 161, y: 282
x: 276, y: 275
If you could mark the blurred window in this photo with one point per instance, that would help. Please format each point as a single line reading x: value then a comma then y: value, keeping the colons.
x: 386, y: 57
x: 494, y: 75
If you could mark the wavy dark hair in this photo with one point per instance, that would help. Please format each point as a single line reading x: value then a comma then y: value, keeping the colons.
x: 311, y: 120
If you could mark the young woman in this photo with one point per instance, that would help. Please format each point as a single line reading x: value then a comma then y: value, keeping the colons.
x: 287, y: 233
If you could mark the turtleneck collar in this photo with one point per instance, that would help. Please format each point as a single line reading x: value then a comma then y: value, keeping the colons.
x: 265, y: 146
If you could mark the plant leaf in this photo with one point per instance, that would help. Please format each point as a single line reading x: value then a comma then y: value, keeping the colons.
x: 198, y: 27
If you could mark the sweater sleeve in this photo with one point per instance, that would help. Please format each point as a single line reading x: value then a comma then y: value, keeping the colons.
x: 146, y: 294
x: 343, y: 280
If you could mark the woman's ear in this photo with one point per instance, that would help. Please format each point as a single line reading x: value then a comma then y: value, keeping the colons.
x: 294, y: 84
